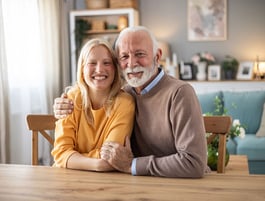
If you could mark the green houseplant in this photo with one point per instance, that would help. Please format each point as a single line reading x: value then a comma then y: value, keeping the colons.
x: 82, y: 26
x: 229, y: 66
x: 236, y: 130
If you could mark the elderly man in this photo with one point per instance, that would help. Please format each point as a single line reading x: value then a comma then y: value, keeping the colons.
x: 168, y: 139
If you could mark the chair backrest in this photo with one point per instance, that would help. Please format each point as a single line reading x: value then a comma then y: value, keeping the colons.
x: 218, y: 126
x: 39, y: 123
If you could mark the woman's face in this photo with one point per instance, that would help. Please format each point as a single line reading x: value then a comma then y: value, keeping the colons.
x: 99, y: 70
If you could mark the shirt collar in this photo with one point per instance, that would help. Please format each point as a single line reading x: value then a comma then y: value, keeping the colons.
x: 154, y: 82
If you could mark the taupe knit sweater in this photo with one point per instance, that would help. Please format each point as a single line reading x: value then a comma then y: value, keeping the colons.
x: 169, y: 138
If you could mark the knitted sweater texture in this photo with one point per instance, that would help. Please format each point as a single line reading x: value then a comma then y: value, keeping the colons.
x: 169, y: 136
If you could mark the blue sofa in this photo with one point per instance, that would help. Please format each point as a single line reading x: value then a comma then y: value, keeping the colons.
x: 246, y: 106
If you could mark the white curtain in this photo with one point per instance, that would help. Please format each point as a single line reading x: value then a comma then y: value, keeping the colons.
x: 3, y: 95
x: 35, y: 68
x: 55, y: 57
x: 55, y: 45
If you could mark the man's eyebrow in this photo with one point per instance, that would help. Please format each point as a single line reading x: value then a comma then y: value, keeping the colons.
x: 136, y: 51
x: 123, y: 53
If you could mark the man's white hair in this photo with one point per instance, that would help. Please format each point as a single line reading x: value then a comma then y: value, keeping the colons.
x: 137, y: 29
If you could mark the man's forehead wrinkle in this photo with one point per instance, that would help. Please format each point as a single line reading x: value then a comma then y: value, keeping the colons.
x: 128, y: 48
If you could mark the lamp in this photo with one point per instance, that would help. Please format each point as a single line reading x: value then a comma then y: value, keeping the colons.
x: 259, y: 69
x: 262, y: 69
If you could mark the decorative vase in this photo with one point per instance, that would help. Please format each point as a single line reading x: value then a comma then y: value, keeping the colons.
x: 213, y: 157
x: 122, y: 22
x: 201, y: 70
x: 230, y: 75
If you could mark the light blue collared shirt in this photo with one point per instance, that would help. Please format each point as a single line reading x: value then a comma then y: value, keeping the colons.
x: 144, y: 91
x: 153, y: 83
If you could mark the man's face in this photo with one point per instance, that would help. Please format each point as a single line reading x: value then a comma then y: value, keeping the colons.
x: 136, y: 59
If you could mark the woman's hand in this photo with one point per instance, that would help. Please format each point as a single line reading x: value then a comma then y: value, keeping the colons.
x: 80, y: 162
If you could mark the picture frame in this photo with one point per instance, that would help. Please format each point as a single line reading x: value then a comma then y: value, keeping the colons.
x: 186, y: 71
x: 245, y: 70
x: 207, y: 20
x: 214, y: 72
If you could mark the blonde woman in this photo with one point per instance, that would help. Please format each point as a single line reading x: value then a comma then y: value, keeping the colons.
x: 102, y: 111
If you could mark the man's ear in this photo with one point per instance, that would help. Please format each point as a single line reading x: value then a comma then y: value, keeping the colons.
x: 158, y: 54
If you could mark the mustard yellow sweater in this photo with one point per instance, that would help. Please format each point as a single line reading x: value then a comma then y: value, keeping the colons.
x: 75, y: 134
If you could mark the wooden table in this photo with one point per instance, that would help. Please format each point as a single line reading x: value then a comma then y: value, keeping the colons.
x: 22, y: 182
x: 237, y: 165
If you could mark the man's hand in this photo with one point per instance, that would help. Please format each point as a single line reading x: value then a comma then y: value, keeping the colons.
x: 118, y: 156
x: 62, y: 106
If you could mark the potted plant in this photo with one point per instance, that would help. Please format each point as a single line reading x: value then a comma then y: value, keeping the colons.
x: 82, y: 26
x: 237, y: 129
x: 229, y: 66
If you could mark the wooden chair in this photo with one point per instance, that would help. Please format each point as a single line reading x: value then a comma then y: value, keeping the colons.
x: 39, y: 124
x: 218, y: 126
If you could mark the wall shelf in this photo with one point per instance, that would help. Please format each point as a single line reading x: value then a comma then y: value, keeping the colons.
x: 108, y: 16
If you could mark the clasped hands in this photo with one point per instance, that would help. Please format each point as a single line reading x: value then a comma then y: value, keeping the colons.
x: 118, y: 156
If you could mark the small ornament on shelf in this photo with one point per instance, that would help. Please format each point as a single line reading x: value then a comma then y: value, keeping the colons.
x: 172, y: 68
x: 122, y: 22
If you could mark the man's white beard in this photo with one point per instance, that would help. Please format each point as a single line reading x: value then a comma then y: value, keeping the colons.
x: 148, y: 72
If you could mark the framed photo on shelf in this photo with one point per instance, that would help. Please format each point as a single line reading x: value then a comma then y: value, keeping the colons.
x: 214, y: 72
x: 207, y: 20
x: 186, y: 71
x: 245, y: 70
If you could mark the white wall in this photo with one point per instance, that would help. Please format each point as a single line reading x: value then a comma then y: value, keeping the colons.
x: 245, y: 26
x: 168, y: 20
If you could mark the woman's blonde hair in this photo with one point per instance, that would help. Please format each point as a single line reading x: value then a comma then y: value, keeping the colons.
x: 84, y: 88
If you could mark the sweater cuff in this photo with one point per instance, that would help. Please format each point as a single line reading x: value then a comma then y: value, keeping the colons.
x: 143, y: 164
x: 133, y: 167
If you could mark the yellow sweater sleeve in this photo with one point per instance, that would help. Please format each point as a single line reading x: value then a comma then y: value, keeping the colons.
x: 65, y: 143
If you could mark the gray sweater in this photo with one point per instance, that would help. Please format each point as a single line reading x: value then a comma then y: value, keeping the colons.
x: 169, y: 136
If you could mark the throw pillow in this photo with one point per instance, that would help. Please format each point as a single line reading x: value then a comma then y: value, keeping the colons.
x: 245, y: 106
x: 261, y: 131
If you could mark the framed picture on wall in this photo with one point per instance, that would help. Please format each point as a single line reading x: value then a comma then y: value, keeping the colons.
x: 214, y: 72
x: 207, y: 20
x: 245, y: 70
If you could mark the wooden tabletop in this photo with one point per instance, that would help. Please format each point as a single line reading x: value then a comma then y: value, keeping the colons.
x: 237, y: 165
x: 22, y: 182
